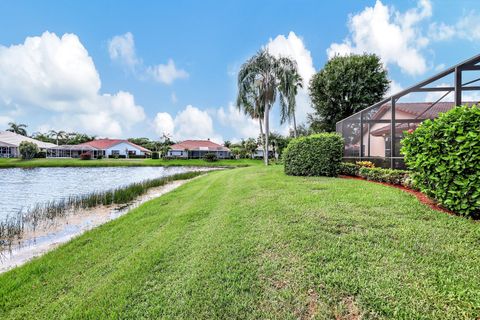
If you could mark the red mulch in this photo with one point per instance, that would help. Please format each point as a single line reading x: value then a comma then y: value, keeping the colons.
x: 420, y: 196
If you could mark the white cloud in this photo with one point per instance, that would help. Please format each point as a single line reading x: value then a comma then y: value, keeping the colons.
x: 164, y: 124
x: 441, y: 31
x: 440, y: 67
x: 395, y: 87
x: 57, y: 74
x: 394, y: 36
x: 466, y: 28
x: 122, y: 49
x: 190, y: 123
x: 434, y: 96
x: 293, y: 47
x: 238, y: 122
x: 4, y: 120
x: 173, y: 97
x: 166, y: 73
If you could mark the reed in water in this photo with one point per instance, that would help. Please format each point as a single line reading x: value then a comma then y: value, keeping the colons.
x: 12, y: 227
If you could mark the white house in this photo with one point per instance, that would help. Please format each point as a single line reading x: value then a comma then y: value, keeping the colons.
x: 259, y: 152
x: 197, y: 149
x: 117, y: 147
x: 9, y: 143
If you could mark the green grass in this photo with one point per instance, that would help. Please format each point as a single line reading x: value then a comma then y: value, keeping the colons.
x: 34, y: 163
x: 254, y: 243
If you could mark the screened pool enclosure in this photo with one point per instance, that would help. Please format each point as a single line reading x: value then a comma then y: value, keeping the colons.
x: 375, y: 133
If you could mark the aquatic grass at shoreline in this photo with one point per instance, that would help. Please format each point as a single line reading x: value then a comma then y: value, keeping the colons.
x: 13, y: 226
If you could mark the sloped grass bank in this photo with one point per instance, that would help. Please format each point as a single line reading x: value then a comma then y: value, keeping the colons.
x: 254, y: 243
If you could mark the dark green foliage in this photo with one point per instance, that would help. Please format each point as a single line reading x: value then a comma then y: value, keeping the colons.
x: 349, y: 169
x: 28, y: 150
x: 344, y: 86
x: 41, y: 154
x: 210, y: 157
x: 155, y: 155
x: 445, y: 155
x: 390, y: 176
x: 315, y: 155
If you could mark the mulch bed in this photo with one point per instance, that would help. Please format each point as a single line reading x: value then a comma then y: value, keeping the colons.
x: 420, y: 196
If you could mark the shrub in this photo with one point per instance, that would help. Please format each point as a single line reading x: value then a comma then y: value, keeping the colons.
x: 390, y: 176
x: 155, y: 155
x: 86, y: 156
x: 349, y: 169
x: 445, y: 154
x: 315, y: 155
x: 366, y: 164
x: 100, y: 157
x: 210, y: 157
x: 41, y: 155
x: 28, y: 150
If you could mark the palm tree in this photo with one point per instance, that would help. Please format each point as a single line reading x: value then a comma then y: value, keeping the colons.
x: 18, y: 128
x: 260, y: 80
x: 249, y: 101
x: 291, y: 81
x: 57, y: 135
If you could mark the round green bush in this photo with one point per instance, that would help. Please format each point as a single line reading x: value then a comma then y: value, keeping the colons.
x: 315, y: 155
x: 210, y: 157
x: 28, y: 150
x: 444, y: 154
x: 155, y: 155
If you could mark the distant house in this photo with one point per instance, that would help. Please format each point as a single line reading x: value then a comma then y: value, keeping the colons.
x: 117, y: 147
x: 197, y: 149
x: 99, y: 147
x: 259, y: 152
x: 9, y: 143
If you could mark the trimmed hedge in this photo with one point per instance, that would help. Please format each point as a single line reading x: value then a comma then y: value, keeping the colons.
x: 445, y: 155
x: 390, y: 176
x: 155, y: 155
x: 349, y: 169
x: 315, y: 155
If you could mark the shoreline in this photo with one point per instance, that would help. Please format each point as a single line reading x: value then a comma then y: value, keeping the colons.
x: 51, y: 235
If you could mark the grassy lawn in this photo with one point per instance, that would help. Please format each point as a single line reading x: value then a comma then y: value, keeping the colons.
x: 254, y: 243
x: 18, y: 163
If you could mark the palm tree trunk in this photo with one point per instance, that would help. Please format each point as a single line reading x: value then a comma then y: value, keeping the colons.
x: 265, y: 149
x: 294, y: 126
x: 262, y: 136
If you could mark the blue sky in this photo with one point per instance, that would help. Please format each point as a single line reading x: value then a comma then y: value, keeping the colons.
x: 124, y: 68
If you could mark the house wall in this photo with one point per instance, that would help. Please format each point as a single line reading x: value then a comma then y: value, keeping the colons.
x: 197, y: 154
x: 377, y: 144
x: 177, y: 153
x: 122, y: 149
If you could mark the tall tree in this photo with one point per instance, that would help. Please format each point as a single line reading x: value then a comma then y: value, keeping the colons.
x: 345, y: 86
x: 249, y: 100
x: 291, y: 81
x: 57, y: 135
x: 18, y: 128
x: 260, y: 80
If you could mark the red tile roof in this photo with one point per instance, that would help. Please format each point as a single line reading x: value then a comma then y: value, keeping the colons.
x: 103, y: 144
x: 198, y: 145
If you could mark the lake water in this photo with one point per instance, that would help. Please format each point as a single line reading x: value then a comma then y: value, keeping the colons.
x: 20, y: 189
